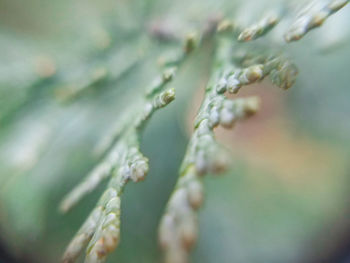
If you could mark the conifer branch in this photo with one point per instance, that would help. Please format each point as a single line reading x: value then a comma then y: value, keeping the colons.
x: 313, y: 16
x: 178, y: 227
x: 259, y: 29
x: 123, y: 162
x: 102, y: 63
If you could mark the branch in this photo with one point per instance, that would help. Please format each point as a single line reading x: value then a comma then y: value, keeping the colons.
x: 178, y: 227
x: 313, y: 16
x: 124, y: 161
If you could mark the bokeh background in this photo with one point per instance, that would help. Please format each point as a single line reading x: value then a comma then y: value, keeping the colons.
x: 286, y: 195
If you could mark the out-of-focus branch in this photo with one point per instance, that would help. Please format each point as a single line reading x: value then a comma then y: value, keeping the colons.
x: 313, y: 16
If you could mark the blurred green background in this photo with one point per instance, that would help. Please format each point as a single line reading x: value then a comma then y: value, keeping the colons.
x: 285, y: 197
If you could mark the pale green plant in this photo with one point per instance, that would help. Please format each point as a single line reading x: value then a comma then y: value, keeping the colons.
x: 244, y: 54
x: 178, y: 227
